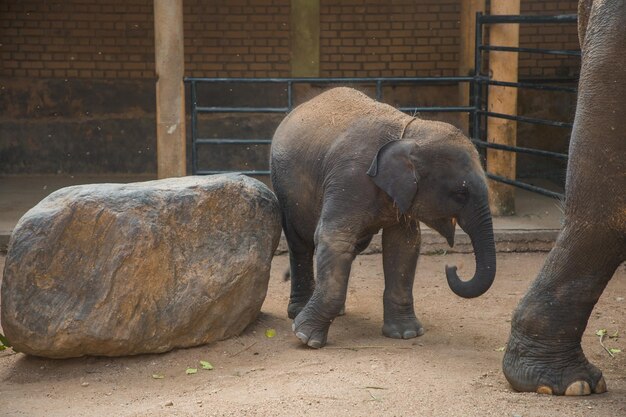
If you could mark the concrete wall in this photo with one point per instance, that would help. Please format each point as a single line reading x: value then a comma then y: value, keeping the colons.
x: 77, y: 76
x: 77, y: 126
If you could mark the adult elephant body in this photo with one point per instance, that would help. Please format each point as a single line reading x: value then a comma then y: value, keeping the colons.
x: 544, y: 352
x: 343, y: 167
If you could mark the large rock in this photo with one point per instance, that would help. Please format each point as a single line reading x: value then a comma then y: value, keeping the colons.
x: 122, y: 269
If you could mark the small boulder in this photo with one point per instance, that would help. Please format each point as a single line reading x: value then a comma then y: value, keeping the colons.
x: 124, y: 269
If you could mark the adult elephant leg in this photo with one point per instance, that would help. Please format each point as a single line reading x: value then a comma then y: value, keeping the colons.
x: 544, y: 352
x: 401, y: 245
x: 301, y: 270
x: 334, y: 256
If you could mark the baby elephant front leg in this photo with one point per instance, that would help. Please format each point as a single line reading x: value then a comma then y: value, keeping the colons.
x: 334, y: 260
x: 401, y: 244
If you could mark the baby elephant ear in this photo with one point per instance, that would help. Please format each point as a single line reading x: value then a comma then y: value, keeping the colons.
x: 394, y: 172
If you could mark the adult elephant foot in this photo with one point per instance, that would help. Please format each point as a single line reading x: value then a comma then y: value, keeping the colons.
x: 544, y: 353
x: 533, y: 366
x: 406, y: 329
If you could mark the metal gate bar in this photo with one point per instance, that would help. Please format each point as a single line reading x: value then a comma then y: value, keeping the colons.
x: 518, y: 149
x: 528, y: 85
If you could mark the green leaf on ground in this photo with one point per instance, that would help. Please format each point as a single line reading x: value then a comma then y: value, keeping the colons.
x: 191, y: 371
x: 206, y: 365
x: 158, y: 376
x: 269, y: 333
x: 601, y: 332
x: 500, y: 349
x: 614, y: 351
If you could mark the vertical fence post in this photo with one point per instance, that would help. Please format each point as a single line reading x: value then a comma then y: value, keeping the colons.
x: 477, y: 86
x: 194, y: 129
x: 466, y: 51
x: 170, y: 89
x: 305, y: 38
x: 289, y: 96
x: 503, y: 67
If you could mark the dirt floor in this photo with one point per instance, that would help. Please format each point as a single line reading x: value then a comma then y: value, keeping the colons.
x: 453, y: 370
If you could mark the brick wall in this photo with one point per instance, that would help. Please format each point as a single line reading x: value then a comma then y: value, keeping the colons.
x: 115, y: 39
x: 250, y: 38
x: 421, y: 38
x: 389, y: 38
x: 77, y: 39
x: 237, y: 38
x: 554, y: 36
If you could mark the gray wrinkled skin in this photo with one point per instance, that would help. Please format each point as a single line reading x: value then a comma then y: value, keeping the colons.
x: 544, y: 352
x: 344, y: 167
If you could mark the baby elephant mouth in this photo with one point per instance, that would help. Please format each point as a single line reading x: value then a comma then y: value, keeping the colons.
x: 445, y: 227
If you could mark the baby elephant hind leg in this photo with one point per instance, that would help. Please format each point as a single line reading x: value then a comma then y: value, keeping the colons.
x: 401, y: 244
x: 300, y: 270
x: 334, y: 260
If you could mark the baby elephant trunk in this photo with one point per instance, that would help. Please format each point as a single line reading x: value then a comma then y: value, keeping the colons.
x: 477, y: 224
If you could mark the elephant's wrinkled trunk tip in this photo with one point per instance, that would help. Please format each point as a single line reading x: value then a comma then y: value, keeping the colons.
x: 470, y: 288
x: 480, y: 231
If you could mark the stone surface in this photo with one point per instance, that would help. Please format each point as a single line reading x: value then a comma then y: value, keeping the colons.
x: 122, y: 269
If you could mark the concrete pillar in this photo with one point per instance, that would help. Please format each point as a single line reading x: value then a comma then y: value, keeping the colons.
x: 503, y: 67
x: 467, y: 29
x: 305, y: 38
x: 170, y: 90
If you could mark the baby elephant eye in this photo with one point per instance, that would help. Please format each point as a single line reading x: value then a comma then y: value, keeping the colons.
x: 460, y: 196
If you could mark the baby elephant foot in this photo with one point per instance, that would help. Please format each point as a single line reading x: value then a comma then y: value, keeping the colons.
x: 311, y: 330
x: 297, y: 303
x: 294, y: 309
x: 529, y: 366
x: 403, y: 329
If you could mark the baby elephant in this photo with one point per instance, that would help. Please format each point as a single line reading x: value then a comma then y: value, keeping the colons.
x: 345, y: 166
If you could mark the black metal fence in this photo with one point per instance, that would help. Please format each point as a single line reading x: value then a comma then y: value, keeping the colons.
x: 288, y: 85
x: 477, y: 109
x: 482, y: 81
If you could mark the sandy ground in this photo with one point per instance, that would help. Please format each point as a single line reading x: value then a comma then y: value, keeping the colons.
x: 453, y: 370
